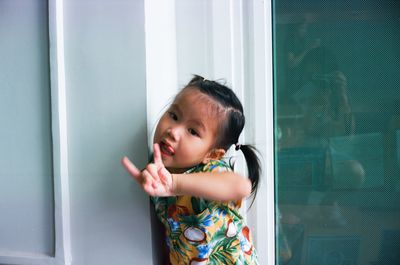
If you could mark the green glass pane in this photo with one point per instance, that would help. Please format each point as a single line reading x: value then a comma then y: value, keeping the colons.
x: 337, y: 114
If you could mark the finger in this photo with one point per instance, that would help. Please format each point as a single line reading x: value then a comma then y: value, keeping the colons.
x: 165, y: 176
x: 148, y: 184
x: 131, y: 168
x: 147, y: 179
x: 152, y: 169
x: 157, y: 155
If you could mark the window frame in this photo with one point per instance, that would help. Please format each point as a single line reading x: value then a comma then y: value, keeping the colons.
x: 260, y: 67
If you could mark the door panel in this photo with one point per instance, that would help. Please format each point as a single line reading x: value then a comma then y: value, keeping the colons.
x: 26, y: 190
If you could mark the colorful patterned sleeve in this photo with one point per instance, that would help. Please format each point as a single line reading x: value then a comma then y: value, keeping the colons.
x: 217, y: 165
x: 221, y: 166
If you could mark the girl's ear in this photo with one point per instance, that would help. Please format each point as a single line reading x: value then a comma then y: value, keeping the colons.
x: 214, y: 154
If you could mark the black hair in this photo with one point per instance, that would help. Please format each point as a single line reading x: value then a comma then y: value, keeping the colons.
x: 230, y: 130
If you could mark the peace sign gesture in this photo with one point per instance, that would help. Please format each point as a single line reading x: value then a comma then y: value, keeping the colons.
x: 155, y: 179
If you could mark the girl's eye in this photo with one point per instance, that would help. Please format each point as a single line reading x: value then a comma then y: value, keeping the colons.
x: 173, y: 115
x: 193, y: 132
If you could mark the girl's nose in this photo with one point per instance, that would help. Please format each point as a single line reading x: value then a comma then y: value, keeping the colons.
x: 173, y: 132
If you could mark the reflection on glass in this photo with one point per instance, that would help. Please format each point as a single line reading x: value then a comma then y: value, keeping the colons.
x: 337, y: 95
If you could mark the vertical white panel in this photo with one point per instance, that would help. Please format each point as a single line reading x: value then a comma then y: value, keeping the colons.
x: 194, y: 39
x: 222, y: 40
x: 260, y: 69
x: 26, y: 190
x: 161, y: 59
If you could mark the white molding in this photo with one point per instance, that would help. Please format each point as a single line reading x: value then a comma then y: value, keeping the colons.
x: 22, y: 258
x: 237, y: 48
x: 161, y: 58
x: 60, y: 138
x: 261, y: 71
x: 222, y: 42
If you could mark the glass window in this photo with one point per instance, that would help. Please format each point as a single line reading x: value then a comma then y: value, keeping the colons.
x: 337, y: 114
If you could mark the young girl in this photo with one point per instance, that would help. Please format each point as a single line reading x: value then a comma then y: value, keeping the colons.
x: 195, y: 192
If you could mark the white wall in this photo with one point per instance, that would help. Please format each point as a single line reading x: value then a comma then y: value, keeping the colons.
x: 106, y: 110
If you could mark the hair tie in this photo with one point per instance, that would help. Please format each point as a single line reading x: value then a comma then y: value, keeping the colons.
x: 238, y: 146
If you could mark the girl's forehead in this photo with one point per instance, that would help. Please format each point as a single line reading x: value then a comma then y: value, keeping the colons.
x: 198, y: 103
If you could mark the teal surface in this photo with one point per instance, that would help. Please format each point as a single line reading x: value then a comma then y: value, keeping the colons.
x: 337, y: 114
x: 26, y: 161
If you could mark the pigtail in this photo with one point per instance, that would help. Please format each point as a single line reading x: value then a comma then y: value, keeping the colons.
x: 253, y: 167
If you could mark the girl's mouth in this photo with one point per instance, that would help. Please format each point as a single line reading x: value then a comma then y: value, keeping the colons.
x: 166, y: 149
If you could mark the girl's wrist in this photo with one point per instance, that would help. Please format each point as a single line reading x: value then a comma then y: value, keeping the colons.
x: 175, y: 184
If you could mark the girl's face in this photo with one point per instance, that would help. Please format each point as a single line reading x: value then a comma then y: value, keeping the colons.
x: 187, y: 131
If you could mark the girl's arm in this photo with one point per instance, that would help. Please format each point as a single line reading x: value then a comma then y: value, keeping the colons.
x: 156, y: 180
x: 219, y: 186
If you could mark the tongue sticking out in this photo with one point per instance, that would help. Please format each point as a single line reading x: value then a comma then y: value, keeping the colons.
x: 166, y: 149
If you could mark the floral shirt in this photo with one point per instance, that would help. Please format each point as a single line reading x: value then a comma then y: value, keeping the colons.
x: 201, y: 232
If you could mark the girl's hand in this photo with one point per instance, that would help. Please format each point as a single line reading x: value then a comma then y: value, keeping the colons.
x: 155, y: 179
